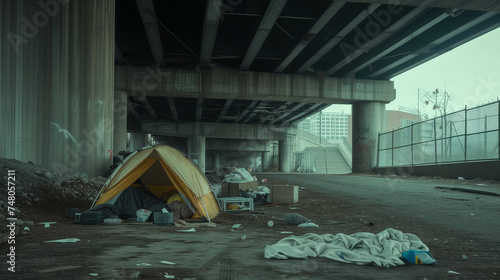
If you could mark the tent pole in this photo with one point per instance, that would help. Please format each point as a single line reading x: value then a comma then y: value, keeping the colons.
x: 206, y: 212
x: 97, y: 196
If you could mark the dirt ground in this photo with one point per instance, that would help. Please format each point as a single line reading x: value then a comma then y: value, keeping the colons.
x: 114, y: 251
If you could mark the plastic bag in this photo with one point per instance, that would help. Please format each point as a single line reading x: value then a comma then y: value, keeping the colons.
x: 419, y: 257
x: 143, y: 215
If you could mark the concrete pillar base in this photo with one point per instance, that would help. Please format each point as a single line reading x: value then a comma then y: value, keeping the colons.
x: 137, y: 141
x: 196, y: 151
x: 285, y: 156
x: 368, y: 119
x: 120, y: 122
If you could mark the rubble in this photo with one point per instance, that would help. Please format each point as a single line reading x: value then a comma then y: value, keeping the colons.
x: 37, y: 185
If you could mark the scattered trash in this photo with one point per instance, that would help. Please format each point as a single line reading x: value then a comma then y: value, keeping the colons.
x: 469, y: 191
x: 270, y: 224
x: 452, y: 272
x: 419, y: 257
x: 483, y: 185
x: 44, y: 223
x: 168, y: 276
x: 286, y: 232
x: 264, y: 180
x: 264, y: 189
x: 164, y: 210
x: 239, y: 175
x: 60, y: 268
x: 94, y: 274
x: 334, y: 223
x: 143, y: 215
x: 67, y: 240
x: 26, y: 228
x: 272, y: 204
x: 293, y: 208
x: 135, y: 274
x: 472, y: 214
x: 167, y: 262
x: 186, y: 230
x: 461, y: 178
x: 369, y: 223
x: 244, y: 237
x: 236, y: 225
x: 217, y: 189
x: 295, y: 219
x: 308, y: 224
x: 113, y: 221
x: 144, y: 264
x: 464, y: 257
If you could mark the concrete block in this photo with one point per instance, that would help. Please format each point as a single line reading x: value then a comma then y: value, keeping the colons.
x: 284, y: 194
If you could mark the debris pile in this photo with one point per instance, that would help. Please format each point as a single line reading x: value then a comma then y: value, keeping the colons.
x: 37, y: 185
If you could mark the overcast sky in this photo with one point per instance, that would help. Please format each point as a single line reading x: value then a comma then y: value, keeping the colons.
x: 470, y: 73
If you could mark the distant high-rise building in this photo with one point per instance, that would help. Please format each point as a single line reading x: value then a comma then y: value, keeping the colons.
x: 332, y: 126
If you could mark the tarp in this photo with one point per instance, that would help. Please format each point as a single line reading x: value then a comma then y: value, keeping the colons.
x: 162, y: 169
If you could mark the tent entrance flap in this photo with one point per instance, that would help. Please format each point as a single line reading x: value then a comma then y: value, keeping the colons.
x: 127, y: 180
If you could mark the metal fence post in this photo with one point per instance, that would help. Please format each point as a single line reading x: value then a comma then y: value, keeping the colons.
x: 485, y: 136
x: 411, y: 143
x: 435, y: 143
x: 378, y: 149
x: 465, y: 141
x: 392, y: 148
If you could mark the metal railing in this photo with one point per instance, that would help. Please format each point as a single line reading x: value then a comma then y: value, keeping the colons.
x: 466, y: 135
x: 314, y: 138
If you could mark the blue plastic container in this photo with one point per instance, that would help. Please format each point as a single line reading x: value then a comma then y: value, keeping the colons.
x: 419, y: 257
x: 163, y: 219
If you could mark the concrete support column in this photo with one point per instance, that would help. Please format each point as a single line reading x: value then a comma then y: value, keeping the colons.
x: 57, y: 83
x: 196, y: 150
x: 267, y: 156
x: 285, y: 156
x: 120, y: 122
x: 368, y: 119
x: 137, y: 140
x: 216, y: 164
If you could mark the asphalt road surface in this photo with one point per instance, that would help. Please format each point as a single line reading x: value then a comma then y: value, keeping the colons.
x: 416, y: 198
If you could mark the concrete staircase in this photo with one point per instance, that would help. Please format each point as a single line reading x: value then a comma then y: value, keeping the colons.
x: 328, y: 160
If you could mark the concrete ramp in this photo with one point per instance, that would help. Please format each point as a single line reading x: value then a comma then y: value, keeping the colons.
x: 328, y: 160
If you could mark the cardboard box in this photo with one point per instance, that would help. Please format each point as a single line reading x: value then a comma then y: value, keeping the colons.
x: 248, y: 187
x: 229, y: 190
x: 233, y: 189
x: 284, y: 194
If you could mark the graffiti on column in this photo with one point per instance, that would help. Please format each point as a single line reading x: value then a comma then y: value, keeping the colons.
x: 363, y: 132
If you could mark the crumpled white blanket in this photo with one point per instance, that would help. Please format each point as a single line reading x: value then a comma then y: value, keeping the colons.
x: 382, y: 249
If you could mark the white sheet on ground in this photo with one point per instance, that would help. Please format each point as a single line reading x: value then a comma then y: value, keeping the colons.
x: 382, y: 249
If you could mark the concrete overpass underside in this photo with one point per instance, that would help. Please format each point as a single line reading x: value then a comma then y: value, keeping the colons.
x: 181, y: 68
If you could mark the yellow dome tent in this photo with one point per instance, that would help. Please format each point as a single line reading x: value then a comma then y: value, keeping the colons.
x: 162, y: 169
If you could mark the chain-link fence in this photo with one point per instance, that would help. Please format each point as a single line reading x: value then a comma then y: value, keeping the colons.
x: 466, y: 135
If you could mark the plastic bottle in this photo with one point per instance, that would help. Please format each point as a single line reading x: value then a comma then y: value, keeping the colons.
x: 112, y: 221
